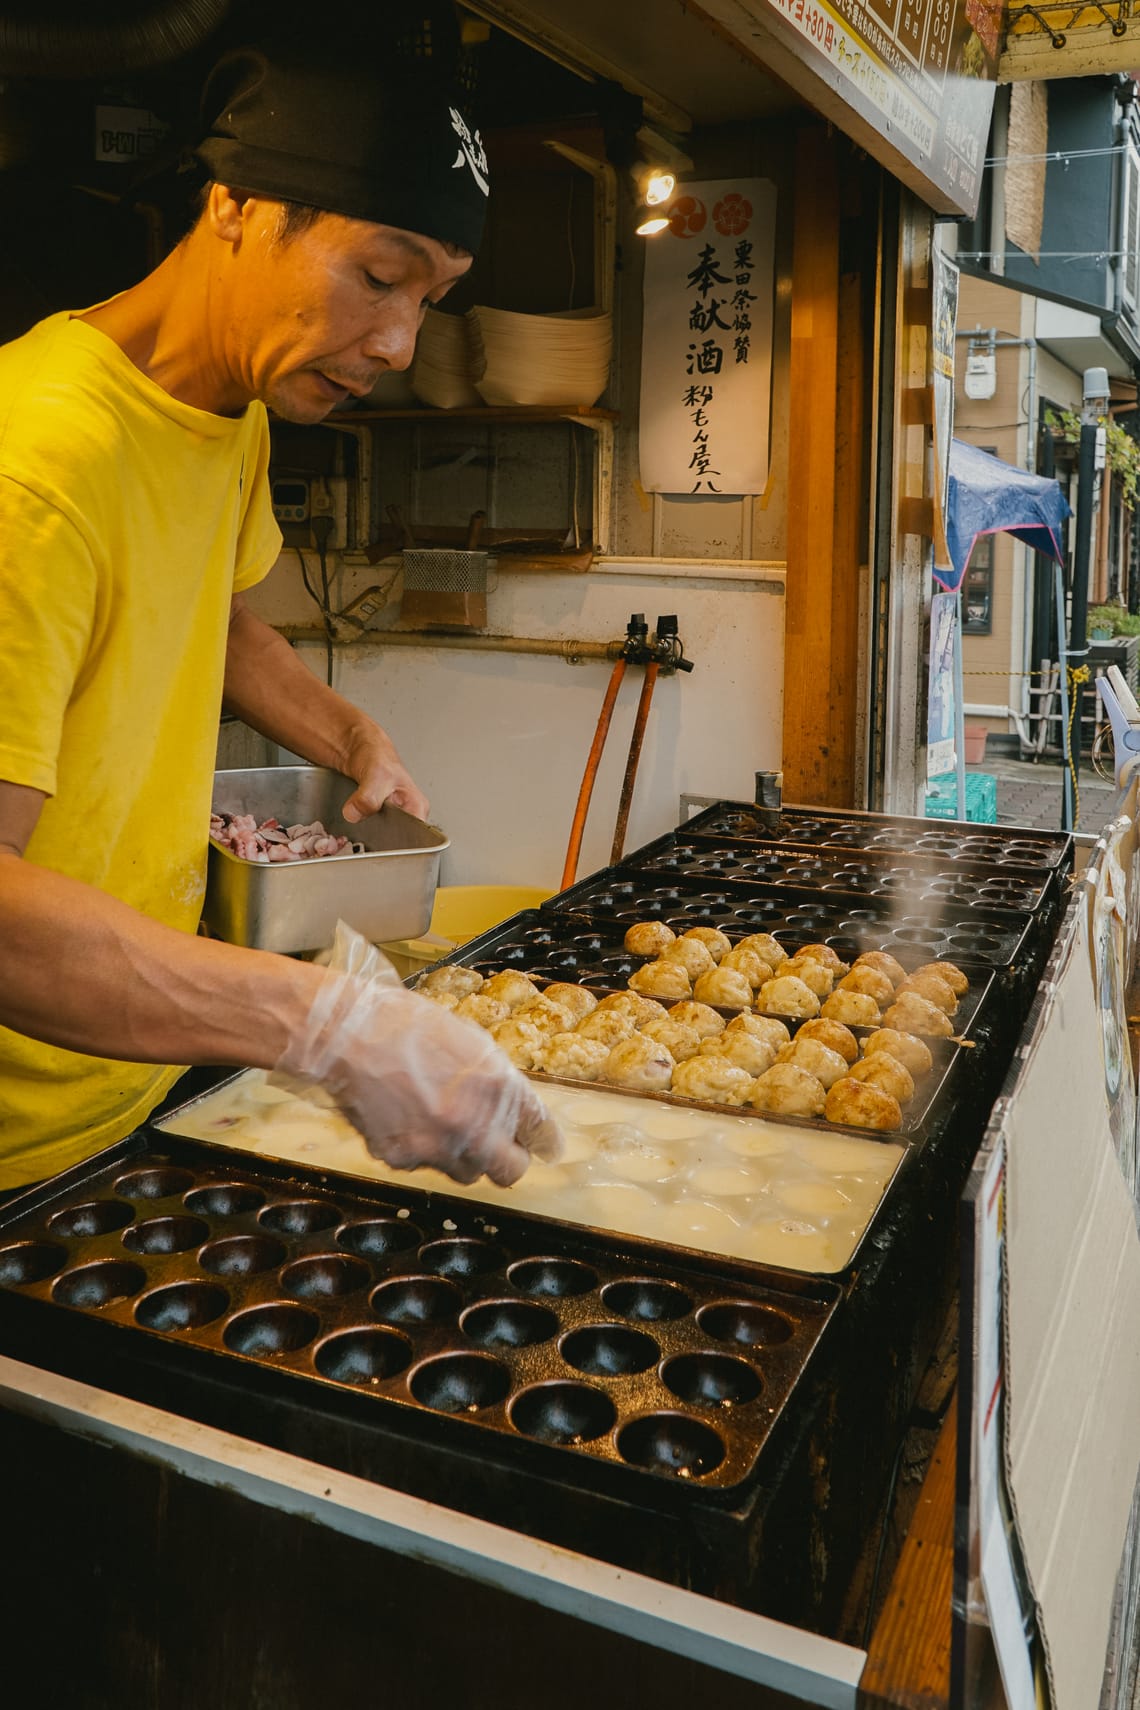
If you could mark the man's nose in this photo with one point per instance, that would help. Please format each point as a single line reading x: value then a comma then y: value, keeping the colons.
x: 391, y: 339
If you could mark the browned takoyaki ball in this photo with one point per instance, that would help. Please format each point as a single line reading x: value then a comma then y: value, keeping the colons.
x: 725, y: 987
x: 717, y: 943
x: 948, y: 971
x: 912, y: 1052
x: 882, y: 1070
x: 649, y: 938
x: 834, y: 1035
x: 787, y: 1090
x: 883, y: 962
x: 862, y: 1106
x: 853, y: 1009
x: 817, y: 1058
x: 661, y: 979
x: 868, y: 980
x: 933, y: 987
x: 911, y: 1013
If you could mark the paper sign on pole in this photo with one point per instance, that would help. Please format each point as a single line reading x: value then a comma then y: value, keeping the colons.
x: 706, y: 356
x: 940, y: 749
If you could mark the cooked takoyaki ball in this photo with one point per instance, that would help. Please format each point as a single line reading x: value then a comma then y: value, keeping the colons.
x: 680, y: 1041
x: 745, y: 1050
x: 869, y: 980
x: 787, y: 994
x: 948, y: 971
x: 883, y: 962
x: 747, y: 962
x: 931, y: 986
x: 510, y: 987
x: 661, y: 979
x: 825, y: 954
x: 696, y: 958
x: 811, y: 972
x: 787, y: 1090
x: 483, y: 1010
x: 862, y: 1106
x: 640, y: 1063
x: 639, y: 1009
x: 817, y: 1058
x: 882, y: 1070
x: 573, y: 1057
x: 761, y: 1027
x: 521, y: 1040
x: 549, y: 1018
x: 717, y: 943
x: 699, y: 1016
x: 913, y: 1053
x: 445, y: 999
x: 912, y: 1013
x: 713, y: 1079
x: 768, y: 949
x: 725, y: 987
x: 576, y: 999
x: 607, y: 1026
x: 461, y: 981
x: 649, y: 938
x: 834, y: 1035
x: 853, y: 1009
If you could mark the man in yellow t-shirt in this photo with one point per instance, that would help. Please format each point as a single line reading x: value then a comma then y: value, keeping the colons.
x: 133, y: 512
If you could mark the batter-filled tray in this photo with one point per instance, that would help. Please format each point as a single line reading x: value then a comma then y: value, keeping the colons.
x: 996, y: 845
x: 849, y: 924
x: 913, y: 884
x: 624, y: 1370
x: 733, y: 1188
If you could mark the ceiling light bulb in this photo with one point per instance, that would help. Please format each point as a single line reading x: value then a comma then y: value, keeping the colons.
x: 650, y: 227
x: 659, y: 187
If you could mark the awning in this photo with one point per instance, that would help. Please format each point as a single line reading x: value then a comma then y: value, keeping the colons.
x: 986, y: 496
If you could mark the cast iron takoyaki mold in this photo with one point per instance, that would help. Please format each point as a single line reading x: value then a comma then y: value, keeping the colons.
x: 914, y: 883
x: 995, y: 845
x: 597, y: 1363
x: 850, y: 924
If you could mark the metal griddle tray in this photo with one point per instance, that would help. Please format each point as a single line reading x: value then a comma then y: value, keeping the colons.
x: 996, y: 845
x: 915, y: 882
x: 591, y: 955
x: 798, y: 916
x: 629, y: 1367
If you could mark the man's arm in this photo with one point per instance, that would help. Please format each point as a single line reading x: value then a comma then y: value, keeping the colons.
x: 273, y: 690
x: 84, y: 971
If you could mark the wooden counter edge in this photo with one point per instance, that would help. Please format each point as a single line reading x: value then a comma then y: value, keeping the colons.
x: 908, y: 1660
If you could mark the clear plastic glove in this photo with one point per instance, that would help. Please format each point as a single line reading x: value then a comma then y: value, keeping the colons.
x: 423, y: 1087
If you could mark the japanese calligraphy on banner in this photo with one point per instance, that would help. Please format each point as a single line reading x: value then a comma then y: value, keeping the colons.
x: 706, y: 356
x: 910, y: 80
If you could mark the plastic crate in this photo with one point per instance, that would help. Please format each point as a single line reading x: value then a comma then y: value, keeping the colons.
x: 981, y: 797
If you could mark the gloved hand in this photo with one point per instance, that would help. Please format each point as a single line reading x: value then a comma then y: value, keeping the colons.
x: 423, y: 1087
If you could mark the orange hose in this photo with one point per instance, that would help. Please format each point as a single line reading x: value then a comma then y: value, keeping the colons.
x: 631, y: 764
x: 570, y: 870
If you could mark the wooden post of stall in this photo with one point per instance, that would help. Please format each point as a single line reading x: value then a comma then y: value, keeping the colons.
x: 826, y: 474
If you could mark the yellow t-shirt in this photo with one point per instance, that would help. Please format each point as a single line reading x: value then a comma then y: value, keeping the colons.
x: 127, y: 522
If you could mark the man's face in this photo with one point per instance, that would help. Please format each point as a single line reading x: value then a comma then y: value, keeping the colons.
x: 320, y: 316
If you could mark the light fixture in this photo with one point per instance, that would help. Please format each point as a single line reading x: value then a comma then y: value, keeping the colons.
x: 659, y: 163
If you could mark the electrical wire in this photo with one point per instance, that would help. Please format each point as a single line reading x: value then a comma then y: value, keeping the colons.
x: 322, y: 606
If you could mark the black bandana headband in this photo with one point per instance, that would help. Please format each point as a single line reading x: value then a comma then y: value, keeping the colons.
x: 346, y: 140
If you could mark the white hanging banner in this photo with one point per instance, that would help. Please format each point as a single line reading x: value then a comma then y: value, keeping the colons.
x: 706, y: 351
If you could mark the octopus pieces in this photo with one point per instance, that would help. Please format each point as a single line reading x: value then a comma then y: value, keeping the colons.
x: 272, y: 843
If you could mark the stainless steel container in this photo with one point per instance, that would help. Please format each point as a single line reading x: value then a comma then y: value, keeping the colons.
x: 387, y: 892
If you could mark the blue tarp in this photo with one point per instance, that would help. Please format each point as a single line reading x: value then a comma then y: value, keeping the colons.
x: 985, y: 496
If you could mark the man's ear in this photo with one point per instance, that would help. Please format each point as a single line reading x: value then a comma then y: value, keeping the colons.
x: 225, y: 211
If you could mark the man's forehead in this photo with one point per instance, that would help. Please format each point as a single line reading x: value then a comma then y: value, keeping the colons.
x: 428, y: 253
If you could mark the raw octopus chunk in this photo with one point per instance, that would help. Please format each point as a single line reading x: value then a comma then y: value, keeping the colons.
x: 271, y: 842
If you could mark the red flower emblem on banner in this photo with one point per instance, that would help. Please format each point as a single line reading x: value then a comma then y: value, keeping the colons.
x: 686, y: 216
x: 732, y: 214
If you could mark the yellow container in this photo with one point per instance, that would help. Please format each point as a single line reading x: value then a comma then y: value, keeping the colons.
x: 461, y: 912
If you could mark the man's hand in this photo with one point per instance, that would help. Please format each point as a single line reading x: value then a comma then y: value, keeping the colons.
x: 273, y: 690
x: 380, y: 776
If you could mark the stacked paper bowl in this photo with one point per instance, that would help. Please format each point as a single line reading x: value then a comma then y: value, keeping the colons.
x: 444, y: 363
x: 541, y: 359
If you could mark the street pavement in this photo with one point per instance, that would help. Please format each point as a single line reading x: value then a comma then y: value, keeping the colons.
x: 1029, y: 792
